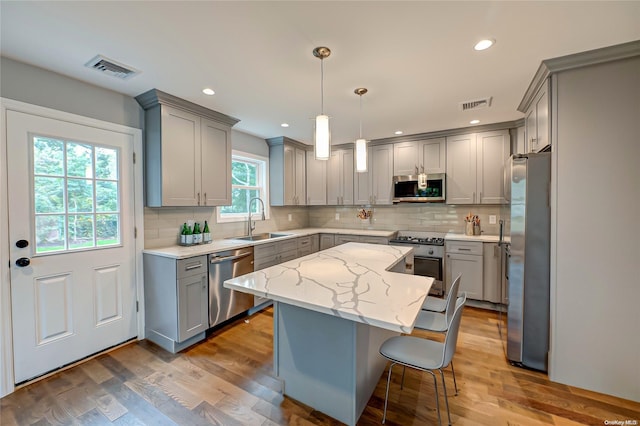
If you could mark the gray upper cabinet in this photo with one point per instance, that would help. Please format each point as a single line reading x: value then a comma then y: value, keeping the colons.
x: 187, y: 152
x: 375, y: 186
x: 537, y: 120
x: 340, y: 177
x: 475, y: 165
x: 287, y: 172
x: 316, y: 180
x: 423, y: 156
x: 461, y: 169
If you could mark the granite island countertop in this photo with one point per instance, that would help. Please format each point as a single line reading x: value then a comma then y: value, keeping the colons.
x: 352, y: 281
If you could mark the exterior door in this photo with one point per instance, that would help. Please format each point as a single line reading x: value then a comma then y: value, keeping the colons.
x: 72, y: 250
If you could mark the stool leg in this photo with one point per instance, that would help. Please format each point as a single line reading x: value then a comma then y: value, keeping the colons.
x: 455, y: 384
x: 386, y: 394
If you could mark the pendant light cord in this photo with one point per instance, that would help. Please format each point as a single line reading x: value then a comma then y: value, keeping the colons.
x: 360, y: 116
x: 322, y: 86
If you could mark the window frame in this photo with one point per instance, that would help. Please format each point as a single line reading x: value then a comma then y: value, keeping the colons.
x: 263, y: 183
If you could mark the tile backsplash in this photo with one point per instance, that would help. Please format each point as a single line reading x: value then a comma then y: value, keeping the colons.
x: 162, y: 225
x: 435, y: 217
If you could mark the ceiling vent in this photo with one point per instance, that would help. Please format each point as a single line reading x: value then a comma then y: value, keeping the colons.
x: 111, y: 67
x: 475, y: 104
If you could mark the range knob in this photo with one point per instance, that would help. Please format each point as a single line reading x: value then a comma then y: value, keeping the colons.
x: 430, y: 251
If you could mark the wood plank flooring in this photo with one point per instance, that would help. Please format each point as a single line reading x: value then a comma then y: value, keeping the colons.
x: 227, y: 380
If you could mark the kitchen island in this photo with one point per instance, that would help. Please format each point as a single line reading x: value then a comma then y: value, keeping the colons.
x: 332, y: 311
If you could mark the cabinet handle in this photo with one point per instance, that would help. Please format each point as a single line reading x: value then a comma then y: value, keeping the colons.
x: 308, y: 200
x: 421, y: 168
x: 480, y: 198
x: 205, y: 199
x: 193, y: 266
x: 416, y: 166
x: 198, y: 198
x: 474, y: 197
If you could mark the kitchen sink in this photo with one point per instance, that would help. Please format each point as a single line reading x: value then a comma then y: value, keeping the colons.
x: 259, y: 237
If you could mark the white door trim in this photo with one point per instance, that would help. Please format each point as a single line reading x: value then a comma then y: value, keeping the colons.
x: 6, y: 340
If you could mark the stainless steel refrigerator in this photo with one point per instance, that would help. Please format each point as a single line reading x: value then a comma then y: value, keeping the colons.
x: 528, y: 262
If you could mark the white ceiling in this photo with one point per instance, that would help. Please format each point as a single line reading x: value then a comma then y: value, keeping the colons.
x: 416, y: 58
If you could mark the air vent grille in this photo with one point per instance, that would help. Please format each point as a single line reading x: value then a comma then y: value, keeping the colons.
x: 475, y: 104
x: 111, y: 67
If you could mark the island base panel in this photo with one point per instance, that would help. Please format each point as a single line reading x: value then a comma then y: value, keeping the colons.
x: 329, y: 363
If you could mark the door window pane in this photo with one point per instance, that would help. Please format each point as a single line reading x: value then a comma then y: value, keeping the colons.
x: 50, y: 233
x: 107, y: 229
x: 72, y: 182
x: 79, y: 160
x: 106, y: 196
x: 80, y: 195
x: 80, y: 231
x: 48, y: 157
x: 106, y: 163
x: 49, y: 195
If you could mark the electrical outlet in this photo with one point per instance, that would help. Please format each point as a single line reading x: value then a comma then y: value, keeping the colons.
x: 337, y: 216
x: 289, y: 217
x: 492, y: 219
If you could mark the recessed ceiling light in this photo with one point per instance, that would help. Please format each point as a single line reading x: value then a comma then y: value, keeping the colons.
x: 284, y: 125
x: 484, y: 44
x: 398, y: 132
x: 474, y: 121
x: 208, y: 91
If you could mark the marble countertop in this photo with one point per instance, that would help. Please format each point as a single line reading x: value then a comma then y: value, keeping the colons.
x: 180, y: 252
x: 350, y: 281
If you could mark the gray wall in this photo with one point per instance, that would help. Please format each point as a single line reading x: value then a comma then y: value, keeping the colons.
x: 249, y: 143
x: 595, y: 337
x: 33, y: 85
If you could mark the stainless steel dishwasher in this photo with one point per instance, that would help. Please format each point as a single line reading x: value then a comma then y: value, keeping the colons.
x: 223, y: 302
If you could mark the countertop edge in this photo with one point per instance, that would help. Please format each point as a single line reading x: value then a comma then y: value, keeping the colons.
x: 179, y: 252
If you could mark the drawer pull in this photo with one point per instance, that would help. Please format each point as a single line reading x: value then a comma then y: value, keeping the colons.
x: 464, y: 249
x: 193, y: 266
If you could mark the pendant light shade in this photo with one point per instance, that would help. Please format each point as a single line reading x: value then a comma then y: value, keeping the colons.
x: 322, y: 132
x: 322, y: 138
x: 361, y: 144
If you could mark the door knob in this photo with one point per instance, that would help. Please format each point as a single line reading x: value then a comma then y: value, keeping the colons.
x: 23, y: 261
x: 22, y: 243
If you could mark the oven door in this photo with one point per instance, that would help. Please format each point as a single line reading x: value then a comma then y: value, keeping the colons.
x: 430, y: 267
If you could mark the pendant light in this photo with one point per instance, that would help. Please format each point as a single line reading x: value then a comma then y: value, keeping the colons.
x: 361, y: 144
x: 322, y: 134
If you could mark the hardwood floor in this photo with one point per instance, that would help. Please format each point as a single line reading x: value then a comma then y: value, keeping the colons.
x: 227, y: 380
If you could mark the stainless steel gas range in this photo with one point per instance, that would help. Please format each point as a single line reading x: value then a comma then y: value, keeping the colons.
x: 428, y: 255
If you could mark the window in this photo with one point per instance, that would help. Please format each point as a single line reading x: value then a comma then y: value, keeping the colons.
x: 76, y: 195
x: 248, y: 180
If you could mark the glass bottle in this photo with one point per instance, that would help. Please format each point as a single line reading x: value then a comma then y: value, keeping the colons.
x: 196, y: 234
x: 189, y: 239
x: 206, y: 234
x: 183, y: 234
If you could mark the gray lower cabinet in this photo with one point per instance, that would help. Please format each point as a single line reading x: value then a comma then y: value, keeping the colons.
x: 465, y: 257
x: 480, y: 266
x: 332, y: 240
x: 176, y: 301
x: 308, y: 245
x: 327, y: 241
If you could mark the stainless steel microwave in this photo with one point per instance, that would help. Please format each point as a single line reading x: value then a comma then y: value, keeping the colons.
x: 422, y: 188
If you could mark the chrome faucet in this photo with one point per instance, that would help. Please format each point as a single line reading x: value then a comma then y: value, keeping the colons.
x: 251, y: 227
